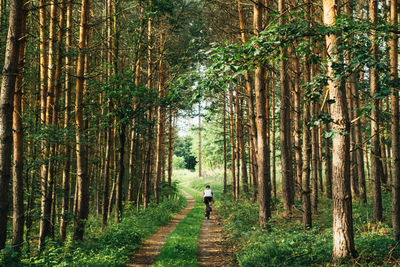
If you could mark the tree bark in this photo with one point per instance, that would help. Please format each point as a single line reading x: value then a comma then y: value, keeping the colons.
x: 238, y: 144
x: 161, y: 125
x: 250, y: 102
x: 314, y: 160
x: 225, y: 145
x: 44, y: 207
x: 232, y: 137
x: 273, y: 116
x: 395, y: 124
x: 171, y: 139
x: 263, y: 160
x: 376, y: 164
x: 306, y: 151
x: 343, y: 239
x: 18, y: 147
x: 297, y: 122
x: 120, y: 175
x: 81, y: 144
x: 285, y: 130
x: 200, y: 147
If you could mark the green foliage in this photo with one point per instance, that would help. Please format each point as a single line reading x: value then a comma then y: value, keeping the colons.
x: 181, y: 246
x: 183, y: 149
x: 178, y: 162
x: 111, y: 247
x: 287, y: 244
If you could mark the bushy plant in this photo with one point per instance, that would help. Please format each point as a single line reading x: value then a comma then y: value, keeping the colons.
x: 111, y: 247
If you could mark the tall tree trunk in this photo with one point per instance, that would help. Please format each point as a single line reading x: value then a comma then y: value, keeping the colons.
x: 200, y: 147
x: 18, y: 146
x: 171, y: 132
x: 375, y: 148
x: 263, y: 160
x: 132, y: 170
x: 297, y: 123
x: 328, y: 164
x: 225, y: 145
x: 120, y: 176
x: 350, y: 83
x: 395, y: 124
x: 81, y: 145
x: 306, y: 151
x: 343, y: 238
x: 161, y: 125
x: 250, y: 103
x: 243, y: 151
x: 67, y: 163
x: 238, y: 147
x: 44, y: 208
x: 9, y: 75
x: 285, y: 129
x: 232, y: 137
x: 49, y: 148
x: 314, y: 160
x: 273, y: 129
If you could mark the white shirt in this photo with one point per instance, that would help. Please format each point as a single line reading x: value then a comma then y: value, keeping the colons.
x: 207, y: 193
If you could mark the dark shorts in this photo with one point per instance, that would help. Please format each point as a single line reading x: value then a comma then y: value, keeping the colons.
x: 207, y: 200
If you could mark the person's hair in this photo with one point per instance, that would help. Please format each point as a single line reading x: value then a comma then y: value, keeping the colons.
x: 207, y: 186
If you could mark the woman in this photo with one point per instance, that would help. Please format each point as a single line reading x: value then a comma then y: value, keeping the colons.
x: 208, y: 197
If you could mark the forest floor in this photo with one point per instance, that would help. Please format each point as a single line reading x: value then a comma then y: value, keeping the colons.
x: 212, y: 249
x: 151, y: 247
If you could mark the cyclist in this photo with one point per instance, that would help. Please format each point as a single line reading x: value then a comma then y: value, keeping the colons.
x: 208, y: 198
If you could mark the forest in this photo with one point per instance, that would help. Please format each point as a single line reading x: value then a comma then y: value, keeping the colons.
x: 115, y: 115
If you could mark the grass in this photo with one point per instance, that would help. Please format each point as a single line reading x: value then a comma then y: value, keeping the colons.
x: 181, y: 246
x: 110, y: 247
x: 287, y: 244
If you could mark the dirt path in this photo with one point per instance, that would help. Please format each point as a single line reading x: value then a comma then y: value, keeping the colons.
x: 212, y: 250
x: 151, y: 247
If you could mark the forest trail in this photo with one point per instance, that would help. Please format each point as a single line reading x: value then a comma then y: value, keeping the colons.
x: 212, y: 251
x: 151, y: 247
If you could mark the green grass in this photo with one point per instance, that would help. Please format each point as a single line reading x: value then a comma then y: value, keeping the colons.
x: 181, y: 246
x: 287, y: 244
x: 110, y: 247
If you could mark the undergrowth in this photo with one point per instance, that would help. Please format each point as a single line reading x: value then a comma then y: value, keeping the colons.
x: 287, y: 244
x: 181, y: 246
x: 110, y: 247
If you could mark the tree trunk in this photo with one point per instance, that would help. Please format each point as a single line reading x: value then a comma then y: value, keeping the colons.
x: 263, y: 160
x: 225, y: 145
x: 171, y: 139
x: 161, y: 125
x: 18, y: 146
x: 328, y: 164
x: 120, y: 176
x: 297, y: 122
x: 395, y: 124
x: 81, y: 144
x: 306, y: 150
x: 314, y: 160
x: 200, y: 148
x: 66, y: 169
x: 44, y: 207
x: 132, y: 170
x: 285, y: 130
x: 273, y: 116
x: 232, y: 137
x: 238, y: 145
x: 343, y: 239
x: 250, y: 108
x: 376, y: 164
x: 243, y: 152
